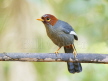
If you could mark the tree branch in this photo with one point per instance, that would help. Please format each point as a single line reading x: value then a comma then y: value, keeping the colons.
x: 51, y: 57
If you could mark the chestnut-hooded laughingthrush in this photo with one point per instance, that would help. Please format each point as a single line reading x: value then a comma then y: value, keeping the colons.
x: 62, y: 34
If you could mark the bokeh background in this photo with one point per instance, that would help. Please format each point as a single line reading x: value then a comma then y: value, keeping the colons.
x: 20, y: 32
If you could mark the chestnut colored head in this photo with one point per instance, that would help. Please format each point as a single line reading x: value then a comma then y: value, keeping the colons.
x: 48, y: 19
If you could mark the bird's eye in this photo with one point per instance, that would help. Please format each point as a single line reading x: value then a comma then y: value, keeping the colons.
x: 48, y: 19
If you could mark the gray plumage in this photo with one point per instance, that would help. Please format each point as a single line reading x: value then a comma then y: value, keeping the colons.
x: 60, y: 33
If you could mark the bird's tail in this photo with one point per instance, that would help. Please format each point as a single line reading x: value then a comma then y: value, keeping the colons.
x: 72, y: 67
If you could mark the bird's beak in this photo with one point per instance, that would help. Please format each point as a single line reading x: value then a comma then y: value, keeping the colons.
x: 40, y: 19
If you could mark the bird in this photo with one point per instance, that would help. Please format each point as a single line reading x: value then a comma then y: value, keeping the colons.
x: 63, y: 35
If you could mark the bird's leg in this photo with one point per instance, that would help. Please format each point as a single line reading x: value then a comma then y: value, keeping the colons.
x: 74, y: 51
x: 56, y: 52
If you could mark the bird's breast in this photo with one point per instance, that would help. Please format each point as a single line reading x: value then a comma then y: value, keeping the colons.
x: 58, y: 37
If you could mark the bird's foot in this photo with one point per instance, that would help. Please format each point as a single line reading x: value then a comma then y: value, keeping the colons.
x: 75, y: 55
x: 56, y: 52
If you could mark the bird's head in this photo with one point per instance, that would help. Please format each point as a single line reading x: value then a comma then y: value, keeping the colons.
x: 48, y: 19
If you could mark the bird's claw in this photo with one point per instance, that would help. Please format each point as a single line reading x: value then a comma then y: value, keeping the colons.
x: 56, y: 52
x: 75, y: 54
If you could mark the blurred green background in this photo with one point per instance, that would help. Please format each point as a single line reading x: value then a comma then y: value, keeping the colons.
x: 20, y: 32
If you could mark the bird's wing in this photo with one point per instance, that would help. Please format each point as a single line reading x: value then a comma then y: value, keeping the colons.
x: 66, y: 28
